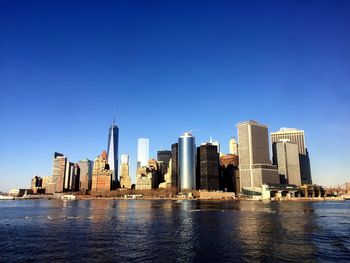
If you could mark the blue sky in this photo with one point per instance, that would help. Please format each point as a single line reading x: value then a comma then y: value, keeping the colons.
x: 169, y: 67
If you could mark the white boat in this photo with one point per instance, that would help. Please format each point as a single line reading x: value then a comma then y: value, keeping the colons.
x: 6, y: 197
x: 68, y: 197
x: 346, y: 197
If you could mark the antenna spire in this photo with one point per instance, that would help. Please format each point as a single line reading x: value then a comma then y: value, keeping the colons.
x: 113, y: 116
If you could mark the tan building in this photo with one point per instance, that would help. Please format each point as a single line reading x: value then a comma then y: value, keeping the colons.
x: 167, y: 178
x: 147, y: 177
x: 125, y: 180
x: 233, y: 146
x: 254, y: 162
x: 288, y: 162
x: 58, y: 171
x: 298, y: 137
x: 101, y: 175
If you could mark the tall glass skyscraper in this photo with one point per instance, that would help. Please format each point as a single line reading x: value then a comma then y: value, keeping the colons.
x: 187, y: 162
x: 142, y: 152
x: 112, y: 152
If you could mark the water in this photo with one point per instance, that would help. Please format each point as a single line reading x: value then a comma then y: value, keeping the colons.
x: 174, y: 231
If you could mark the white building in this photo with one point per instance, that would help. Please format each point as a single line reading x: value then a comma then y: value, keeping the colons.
x: 142, y: 152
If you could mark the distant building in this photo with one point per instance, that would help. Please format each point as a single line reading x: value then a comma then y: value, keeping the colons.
x: 254, y: 162
x: 175, y: 166
x: 48, y: 185
x: 125, y: 180
x: 147, y: 177
x: 167, y: 177
x: 233, y: 146
x: 68, y: 176
x: 86, y: 167
x: 298, y: 137
x: 229, y: 173
x: 187, y: 162
x: 207, y: 167
x: 112, y: 152
x: 36, y: 185
x: 142, y: 152
x: 163, y: 158
x: 58, y: 171
x: 288, y: 162
x: 101, y: 175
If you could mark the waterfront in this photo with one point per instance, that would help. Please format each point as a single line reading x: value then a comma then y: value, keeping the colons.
x: 174, y: 231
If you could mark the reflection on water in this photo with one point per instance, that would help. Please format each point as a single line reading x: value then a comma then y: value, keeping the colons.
x: 174, y: 231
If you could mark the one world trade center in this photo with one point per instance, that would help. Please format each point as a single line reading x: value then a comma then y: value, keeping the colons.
x: 112, y: 152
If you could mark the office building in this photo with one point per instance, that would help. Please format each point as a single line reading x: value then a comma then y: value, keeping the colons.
x: 163, y: 158
x: 142, y: 152
x: 288, y: 162
x: 175, y: 166
x: 166, y: 184
x: 187, y: 162
x: 68, y: 176
x: 86, y: 167
x: 298, y: 137
x: 125, y: 180
x: 233, y: 146
x: 58, y: 171
x: 207, y: 167
x: 254, y: 162
x: 147, y: 177
x: 112, y: 152
x: 101, y: 174
x: 229, y: 173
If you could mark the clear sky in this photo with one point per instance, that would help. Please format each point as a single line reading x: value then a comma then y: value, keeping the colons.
x: 168, y: 67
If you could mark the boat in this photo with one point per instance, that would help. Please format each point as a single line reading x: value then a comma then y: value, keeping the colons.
x: 68, y: 197
x: 6, y: 197
x: 346, y: 197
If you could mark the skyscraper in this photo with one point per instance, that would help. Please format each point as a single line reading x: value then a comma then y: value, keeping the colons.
x: 298, y: 137
x: 207, y: 167
x: 86, y: 167
x: 58, y: 171
x: 112, y: 152
x: 142, y: 152
x: 288, y: 162
x: 254, y: 162
x: 187, y: 162
x: 125, y: 180
x: 233, y: 146
x: 163, y: 158
x: 175, y: 166
x: 101, y: 174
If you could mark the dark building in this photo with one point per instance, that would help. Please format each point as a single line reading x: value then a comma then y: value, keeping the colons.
x: 174, y: 165
x: 229, y: 173
x: 163, y: 157
x: 207, y: 167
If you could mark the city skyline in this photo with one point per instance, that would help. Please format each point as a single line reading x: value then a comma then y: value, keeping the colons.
x: 284, y: 64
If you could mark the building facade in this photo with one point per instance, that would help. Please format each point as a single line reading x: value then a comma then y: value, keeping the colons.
x: 58, y: 171
x: 101, y: 175
x: 163, y: 158
x: 233, y: 146
x: 207, y: 167
x: 288, y: 162
x: 187, y: 162
x: 125, y: 180
x: 175, y: 166
x: 142, y: 152
x: 254, y: 162
x: 86, y: 167
x: 112, y: 152
x: 229, y: 173
x: 298, y: 137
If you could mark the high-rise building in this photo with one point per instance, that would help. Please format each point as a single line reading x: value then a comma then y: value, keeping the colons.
x: 288, y: 162
x: 163, y: 158
x: 298, y: 137
x: 142, y: 152
x: 112, y: 152
x: 207, y: 167
x: 125, y: 180
x: 58, y: 171
x: 86, y: 167
x: 187, y: 162
x: 101, y: 175
x: 254, y: 162
x: 229, y: 173
x: 68, y: 176
x: 233, y: 146
x: 175, y: 166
